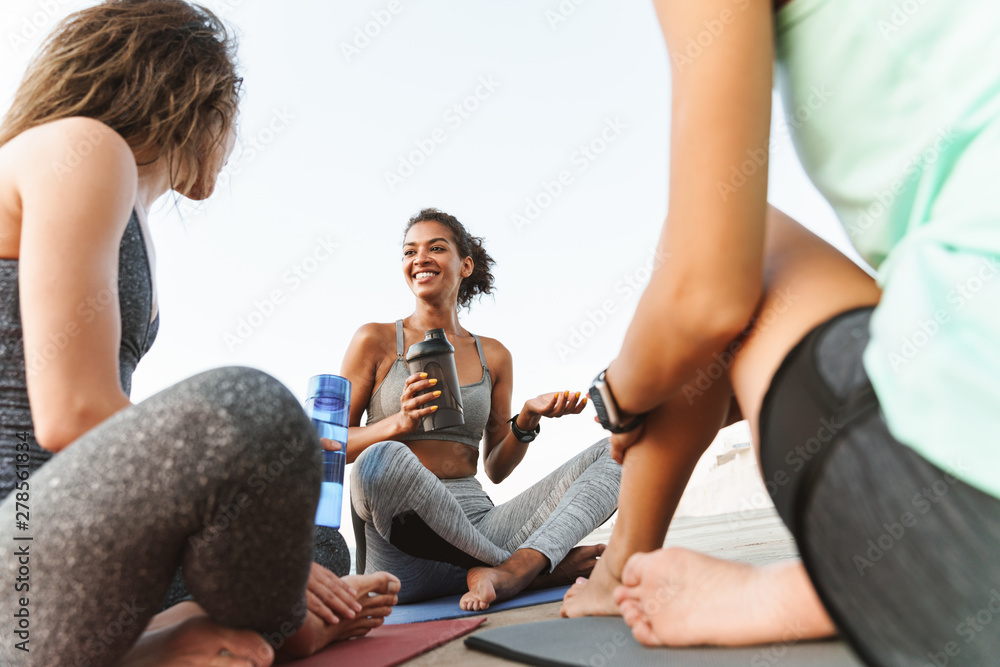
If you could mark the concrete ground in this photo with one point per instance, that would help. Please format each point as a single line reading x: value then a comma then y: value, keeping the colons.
x: 756, y: 536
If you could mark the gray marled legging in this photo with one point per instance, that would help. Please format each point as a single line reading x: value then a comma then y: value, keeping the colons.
x: 429, y: 531
x: 219, y: 473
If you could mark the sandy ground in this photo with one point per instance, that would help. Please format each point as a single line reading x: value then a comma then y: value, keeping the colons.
x: 756, y: 536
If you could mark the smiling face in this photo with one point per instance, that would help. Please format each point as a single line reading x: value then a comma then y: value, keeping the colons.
x: 431, y: 263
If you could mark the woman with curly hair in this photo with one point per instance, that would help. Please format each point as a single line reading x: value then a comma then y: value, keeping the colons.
x: 419, y: 511
x: 104, y: 499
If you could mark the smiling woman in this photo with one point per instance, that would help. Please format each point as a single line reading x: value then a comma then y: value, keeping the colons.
x: 419, y: 511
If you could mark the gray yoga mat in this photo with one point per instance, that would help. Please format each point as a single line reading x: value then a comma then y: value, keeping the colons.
x: 608, y: 642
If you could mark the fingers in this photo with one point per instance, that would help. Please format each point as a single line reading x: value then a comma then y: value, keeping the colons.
x: 318, y: 607
x: 564, y: 403
x: 343, y: 604
x: 413, y: 401
x: 331, y: 598
x: 417, y: 383
x: 330, y: 445
x: 620, y: 442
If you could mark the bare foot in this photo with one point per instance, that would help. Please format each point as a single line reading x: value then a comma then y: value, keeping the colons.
x: 579, y: 562
x: 493, y: 584
x: 199, y: 642
x: 377, y: 595
x: 677, y: 597
x: 592, y: 597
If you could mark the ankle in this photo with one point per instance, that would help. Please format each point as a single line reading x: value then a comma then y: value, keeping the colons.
x: 798, y: 608
x: 525, y: 562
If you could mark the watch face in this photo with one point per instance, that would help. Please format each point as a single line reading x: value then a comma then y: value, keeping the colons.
x: 604, y: 407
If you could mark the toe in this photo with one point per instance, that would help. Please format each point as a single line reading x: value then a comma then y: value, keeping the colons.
x: 630, y: 612
x: 623, y: 593
x: 248, y: 646
x: 632, y: 573
x: 644, y: 634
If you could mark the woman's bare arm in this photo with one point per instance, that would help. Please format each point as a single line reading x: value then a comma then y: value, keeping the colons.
x: 502, y: 452
x: 709, y: 284
x: 72, y: 222
x: 360, y: 366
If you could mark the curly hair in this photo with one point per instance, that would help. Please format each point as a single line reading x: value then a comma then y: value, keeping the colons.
x: 161, y: 73
x: 481, y: 280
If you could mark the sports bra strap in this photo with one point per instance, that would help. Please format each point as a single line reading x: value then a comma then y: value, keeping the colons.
x: 482, y: 355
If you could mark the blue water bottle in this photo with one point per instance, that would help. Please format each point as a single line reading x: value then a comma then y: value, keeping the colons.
x: 328, y: 404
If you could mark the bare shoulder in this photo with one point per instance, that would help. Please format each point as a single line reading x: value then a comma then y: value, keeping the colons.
x: 78, y: 157
x: 74, y: 177
x: 63, y: 145
x: 497, y: 355
x: 374, y: 338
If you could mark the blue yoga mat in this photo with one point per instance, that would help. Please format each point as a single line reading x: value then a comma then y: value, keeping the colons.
x: 447, y: 607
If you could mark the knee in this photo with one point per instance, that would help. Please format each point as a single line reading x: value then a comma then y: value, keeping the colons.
x: 601, y: 456
x: 384, y: 463
x: 600, y: 449
x: 257, y: 414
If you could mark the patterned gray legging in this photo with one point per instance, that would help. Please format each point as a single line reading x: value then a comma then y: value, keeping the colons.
x: 219, y: 474
x: 429, y: 531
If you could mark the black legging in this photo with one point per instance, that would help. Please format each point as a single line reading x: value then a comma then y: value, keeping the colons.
x: 219, y: 474
x: 905, y: 556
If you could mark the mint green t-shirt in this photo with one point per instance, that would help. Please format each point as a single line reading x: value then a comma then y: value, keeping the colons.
x: 894, y: 107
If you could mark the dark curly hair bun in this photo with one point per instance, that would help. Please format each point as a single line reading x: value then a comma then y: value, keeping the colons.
x: 481, y: 280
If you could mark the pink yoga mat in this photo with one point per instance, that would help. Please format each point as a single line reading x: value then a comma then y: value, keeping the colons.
x: 391, y: 644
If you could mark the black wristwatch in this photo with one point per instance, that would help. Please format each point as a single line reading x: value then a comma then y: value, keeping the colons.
x: 523, y: 436
x: 608, y: 411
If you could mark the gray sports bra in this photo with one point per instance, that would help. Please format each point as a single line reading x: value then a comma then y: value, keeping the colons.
x: 475, y: 400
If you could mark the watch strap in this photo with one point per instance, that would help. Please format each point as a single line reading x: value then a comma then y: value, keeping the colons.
x: 523, y: 436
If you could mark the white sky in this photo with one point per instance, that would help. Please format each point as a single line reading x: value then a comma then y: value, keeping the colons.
x: 319, y: 132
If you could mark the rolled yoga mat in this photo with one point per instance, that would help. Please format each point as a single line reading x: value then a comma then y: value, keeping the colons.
x: 607, y: 642
x: 447, y: 607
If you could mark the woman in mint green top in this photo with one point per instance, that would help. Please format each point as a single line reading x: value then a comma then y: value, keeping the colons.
x: 873, y: 402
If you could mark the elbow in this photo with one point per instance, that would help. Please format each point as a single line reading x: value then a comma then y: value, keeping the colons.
x: 731, y: 316
x: 718, y: 316
x: 52, y: 436
x: 56, y: 429
x: 495, y: 476
x: 352, y: 453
